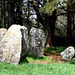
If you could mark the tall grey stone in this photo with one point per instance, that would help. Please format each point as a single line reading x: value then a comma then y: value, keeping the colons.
x: 37, y: 41
x: 14, y: 44
x: 61, y: 24
x: 2, y: 32
x: 68, y: 53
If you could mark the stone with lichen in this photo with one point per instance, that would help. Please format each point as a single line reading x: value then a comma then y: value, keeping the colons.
x: 2, y: 32
x: 11, y: 45
x: 37, y: 42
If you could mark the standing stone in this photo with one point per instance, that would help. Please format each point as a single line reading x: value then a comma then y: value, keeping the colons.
x: 11, y: 45
x: 2, y: 32
x: 37, y: 41
x: 68, y: 53
x: 61, y: 24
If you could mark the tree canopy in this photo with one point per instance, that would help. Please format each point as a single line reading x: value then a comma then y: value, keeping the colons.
x: 19, y: 11
x: 52, y: 5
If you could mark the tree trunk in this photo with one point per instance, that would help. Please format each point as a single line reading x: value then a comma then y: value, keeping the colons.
x: 69, y: 25
x: 51, y: 28
x: 19, y: 13
x: 48, y: 24
x: 11, y: 13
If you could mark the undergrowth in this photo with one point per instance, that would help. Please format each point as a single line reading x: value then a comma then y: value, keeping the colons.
x: 57, y: 49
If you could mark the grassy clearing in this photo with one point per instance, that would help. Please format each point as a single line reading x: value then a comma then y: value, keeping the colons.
x: 37, y: 69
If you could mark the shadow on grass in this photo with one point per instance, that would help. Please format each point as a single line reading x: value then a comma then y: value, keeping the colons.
x: 23, y: 60
x: 39, y: 58
x: 31, y: 58
x: 56, y: 48
x: 72, y: 62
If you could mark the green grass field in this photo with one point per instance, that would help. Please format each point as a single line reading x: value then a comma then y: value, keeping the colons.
x: 37, y: 69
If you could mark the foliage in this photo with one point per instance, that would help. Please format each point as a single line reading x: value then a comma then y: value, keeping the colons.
x: 57, y: 49
x: 72, y: 62
x: 49, y: 7
x: 37, y: 69
x: 37, y: 59
x: 71, y: 5
x: 1, y: 23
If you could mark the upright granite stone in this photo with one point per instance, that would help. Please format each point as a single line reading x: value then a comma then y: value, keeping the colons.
x: 68, y: 53
x: 37, y: 41
x: 14, y: 44
x: 2, y: 32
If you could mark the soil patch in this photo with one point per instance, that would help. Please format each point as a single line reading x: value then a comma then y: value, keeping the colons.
x: 53, y: 56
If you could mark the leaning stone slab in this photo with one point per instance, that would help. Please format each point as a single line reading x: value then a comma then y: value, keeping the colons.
x: 37, y: 42
x: 11, y: 45
x: 68, y: 53
x: 2, y: 32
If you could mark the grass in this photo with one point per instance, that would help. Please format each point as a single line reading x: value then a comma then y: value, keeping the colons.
x: 57, y: 49
x: 37, y: 59
x: 71, y: 61
x: 37, y: 69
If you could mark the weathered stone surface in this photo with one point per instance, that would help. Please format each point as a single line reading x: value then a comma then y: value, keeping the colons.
x: 14, y: 44
x: 68, y: 53
x: 61, y: 24
x: 2, y: 32
x: 25, y: 41
x: 37, y: 41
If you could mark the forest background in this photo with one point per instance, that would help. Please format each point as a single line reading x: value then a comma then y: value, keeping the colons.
x: 55, y: 17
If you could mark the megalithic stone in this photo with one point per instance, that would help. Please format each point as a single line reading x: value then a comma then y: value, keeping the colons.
x: 68, y: 53
x: 14, y: 44
x: 2, y: 32
x: 37, y: 42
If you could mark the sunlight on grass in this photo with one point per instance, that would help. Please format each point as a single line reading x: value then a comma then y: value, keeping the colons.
x: 37, y: 59
x: 37, y: 69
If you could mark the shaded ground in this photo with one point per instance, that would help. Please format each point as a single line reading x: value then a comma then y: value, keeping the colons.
x: 64, y: 41
x: 53, y: 57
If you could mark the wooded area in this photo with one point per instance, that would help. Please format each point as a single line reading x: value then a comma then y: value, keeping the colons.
x: 19, y: 12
